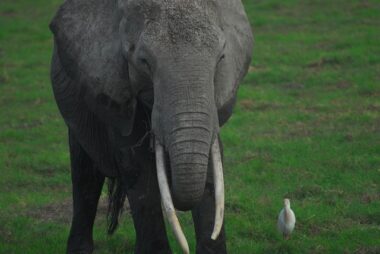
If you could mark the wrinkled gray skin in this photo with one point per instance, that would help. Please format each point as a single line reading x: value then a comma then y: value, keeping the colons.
x: 123, y: 68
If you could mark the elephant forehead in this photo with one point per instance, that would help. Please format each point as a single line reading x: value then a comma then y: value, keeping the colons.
x: 184, y: 8
x: 190, y: 22
x: 173, y: 9
x: 179, y: 21
x: 186, y: 22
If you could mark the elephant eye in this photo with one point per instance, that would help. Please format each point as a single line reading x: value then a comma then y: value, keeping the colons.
x: 221, y: 58
x: 143, y: 61
x: 131, y: 47
x: 222, y: 52
x: 145, y: 64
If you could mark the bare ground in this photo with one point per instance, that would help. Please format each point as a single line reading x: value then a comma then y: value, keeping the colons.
x: 62, y: 211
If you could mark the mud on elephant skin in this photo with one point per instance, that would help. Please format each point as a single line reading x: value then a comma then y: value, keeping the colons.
x: 126, y: 71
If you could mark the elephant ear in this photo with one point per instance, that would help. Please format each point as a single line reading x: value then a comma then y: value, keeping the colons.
x: 89, y: 50
x: 237, y: 56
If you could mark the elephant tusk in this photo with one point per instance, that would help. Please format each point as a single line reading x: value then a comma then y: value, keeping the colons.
x: 219, y: 188
x: 166, y: 199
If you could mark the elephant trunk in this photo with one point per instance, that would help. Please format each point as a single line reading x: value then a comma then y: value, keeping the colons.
x: 189, y: 142
x: 188, y: 127
x: 185, y: 124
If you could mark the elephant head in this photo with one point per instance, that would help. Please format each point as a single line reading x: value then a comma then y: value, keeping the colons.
x: 183, y: 59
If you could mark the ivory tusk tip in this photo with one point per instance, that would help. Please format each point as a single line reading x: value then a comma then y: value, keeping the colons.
x: 215, y: 234
x: 185, y: 248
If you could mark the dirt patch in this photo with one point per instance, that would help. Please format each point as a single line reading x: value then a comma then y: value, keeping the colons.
x: 59, y: 212
x: 266, y: 107
x: 326, y: 44
x: 256, y: 69
x: 367, y: 219
x: 368, y: 92
x: 48, y: 170
x: 6, y: 235
x: 343, y: 85
x: 305, y: 192
x: 297, y: 130
x: 368, y: 250
x: 256, y: 155
x: 326, y: 61
x: 3, y: 79
x: 374, y: 108
x: 369, y: 198
x: 234, y: 207
x: 264, y: 200
x: 330, y: 196
x: 249, y: 105
x: 23, y: 126
x: 310, y: 228
x: 28, y: 185
x: 8, y: 13
x: 62, y: 212
x: 292, y: 86
x: 30, y: 124
x: 364, y: 4
x: 313, y: 227
x: 246, y: 104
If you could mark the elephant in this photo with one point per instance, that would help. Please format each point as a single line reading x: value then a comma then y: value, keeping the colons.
x: 144, y: 87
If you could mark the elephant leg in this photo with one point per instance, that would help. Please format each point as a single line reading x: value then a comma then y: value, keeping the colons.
x: 145, y: 203
x: 87, y: 184
x: 203, y: 217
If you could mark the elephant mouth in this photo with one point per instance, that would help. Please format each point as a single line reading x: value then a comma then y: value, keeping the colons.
x: 167, y: 201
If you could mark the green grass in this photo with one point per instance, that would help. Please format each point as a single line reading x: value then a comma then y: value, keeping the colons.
x: 306, y: 126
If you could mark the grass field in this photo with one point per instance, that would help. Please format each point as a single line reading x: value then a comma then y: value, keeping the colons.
x: 306, y: 126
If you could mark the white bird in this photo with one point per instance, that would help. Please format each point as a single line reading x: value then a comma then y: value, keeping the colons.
x: 286, y: 220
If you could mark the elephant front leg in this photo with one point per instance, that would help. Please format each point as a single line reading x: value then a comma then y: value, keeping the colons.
x: 144, y: 198
x: 87, y: 185
x: 203, y: 217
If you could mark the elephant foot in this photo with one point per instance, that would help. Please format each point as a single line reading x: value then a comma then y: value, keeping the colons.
x: 209, y: 246
x: 89, y: 251
x: 80, y: 252
x: 77, y: 247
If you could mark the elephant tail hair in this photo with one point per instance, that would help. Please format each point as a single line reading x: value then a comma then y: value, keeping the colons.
x: 116, y: 196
